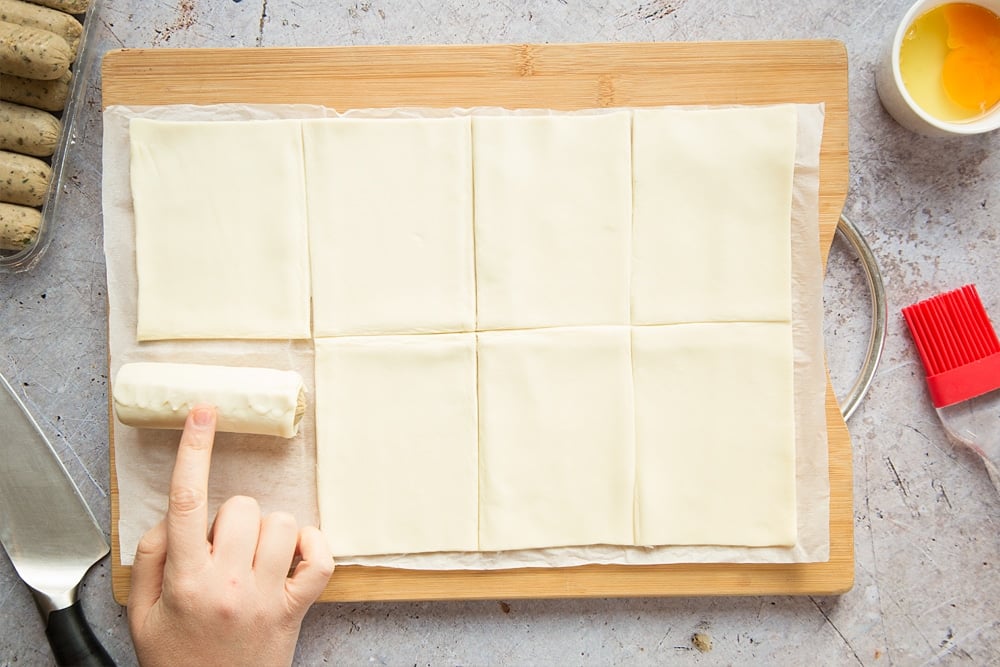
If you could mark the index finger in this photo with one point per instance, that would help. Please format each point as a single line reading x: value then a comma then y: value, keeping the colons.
x: 187, y: 511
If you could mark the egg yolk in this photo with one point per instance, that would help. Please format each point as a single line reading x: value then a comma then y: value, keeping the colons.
x: 971, y: 70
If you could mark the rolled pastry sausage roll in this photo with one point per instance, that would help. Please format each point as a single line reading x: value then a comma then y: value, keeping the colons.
x: 264, y: 401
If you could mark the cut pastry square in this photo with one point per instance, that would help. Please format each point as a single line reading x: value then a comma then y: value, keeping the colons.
x: 220, y: 229
x: 715, y: 441
x: 390, y: 220
x: 553, y: 205
x: 396, y: 430
x: 556, y: 460
x: 712, y: 218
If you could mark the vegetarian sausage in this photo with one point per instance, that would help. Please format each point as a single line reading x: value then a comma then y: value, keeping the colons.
x: 18, y: 226
x: 43, y: 18
x: 48, y: 95
x: 23, y: 180
x: 26, y: 130
x: 33, y: 53
x: 249, y: 400
x: 68, y: 6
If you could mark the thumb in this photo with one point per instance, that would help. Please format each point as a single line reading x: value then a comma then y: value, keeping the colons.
x: 147, y: 574
x: 312, y: 573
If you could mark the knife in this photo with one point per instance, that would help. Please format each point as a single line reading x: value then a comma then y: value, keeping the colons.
x: 48, y: 531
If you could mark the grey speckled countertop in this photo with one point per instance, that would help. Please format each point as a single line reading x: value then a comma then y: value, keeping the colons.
x: 927, y: 534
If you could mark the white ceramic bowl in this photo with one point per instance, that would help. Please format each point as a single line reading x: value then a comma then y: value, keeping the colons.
x: 898, y: 101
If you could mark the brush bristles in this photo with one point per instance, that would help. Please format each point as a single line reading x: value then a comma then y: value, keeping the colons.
x: 951, y: 330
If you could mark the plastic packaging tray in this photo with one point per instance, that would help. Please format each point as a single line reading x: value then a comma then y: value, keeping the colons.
x: 83, y: 70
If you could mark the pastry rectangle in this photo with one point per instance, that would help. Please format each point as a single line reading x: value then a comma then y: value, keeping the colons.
x: 390, y: 223
x: 553, y: 223
x: 220, y: 229
x: 396, y: 428
x: 715, y: 442
x: 712, y: 218
x: 556, y: 461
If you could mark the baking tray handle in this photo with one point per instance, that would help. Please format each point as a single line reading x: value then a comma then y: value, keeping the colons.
x: 879, y: 316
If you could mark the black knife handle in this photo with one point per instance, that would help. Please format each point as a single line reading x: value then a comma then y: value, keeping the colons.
x: 72, y: 640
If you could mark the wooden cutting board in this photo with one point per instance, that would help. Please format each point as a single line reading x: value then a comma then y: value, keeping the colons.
x: 557, y: 76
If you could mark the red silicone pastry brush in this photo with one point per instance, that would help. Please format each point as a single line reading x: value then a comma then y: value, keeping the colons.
x: 961, y: 355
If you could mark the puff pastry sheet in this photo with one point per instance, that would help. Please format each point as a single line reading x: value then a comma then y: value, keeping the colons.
x: 563, y: 337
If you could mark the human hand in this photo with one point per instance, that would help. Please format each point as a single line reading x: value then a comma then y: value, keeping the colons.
x: 224, y: 598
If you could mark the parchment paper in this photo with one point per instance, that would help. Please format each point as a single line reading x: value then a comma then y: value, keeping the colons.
x: 281, y: 474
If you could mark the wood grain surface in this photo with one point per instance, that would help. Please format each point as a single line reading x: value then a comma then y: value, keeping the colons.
x: 556, y: 76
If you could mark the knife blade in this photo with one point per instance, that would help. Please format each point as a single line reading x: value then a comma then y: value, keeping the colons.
x: 48, y: 531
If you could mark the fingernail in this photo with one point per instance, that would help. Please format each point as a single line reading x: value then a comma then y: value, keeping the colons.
x: 202, y: 416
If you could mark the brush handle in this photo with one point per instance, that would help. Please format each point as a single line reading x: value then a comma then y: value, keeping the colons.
x: 994, y: 472
x: 975, y: 424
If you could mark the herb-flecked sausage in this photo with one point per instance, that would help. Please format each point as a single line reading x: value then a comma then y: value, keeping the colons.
x: 29, y: 131
x: 43, y: 18
x: 23, y: 179
x: 68, y: 6
x: 18, y: 226
x: 47, y: 95
x: 33, y: 53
